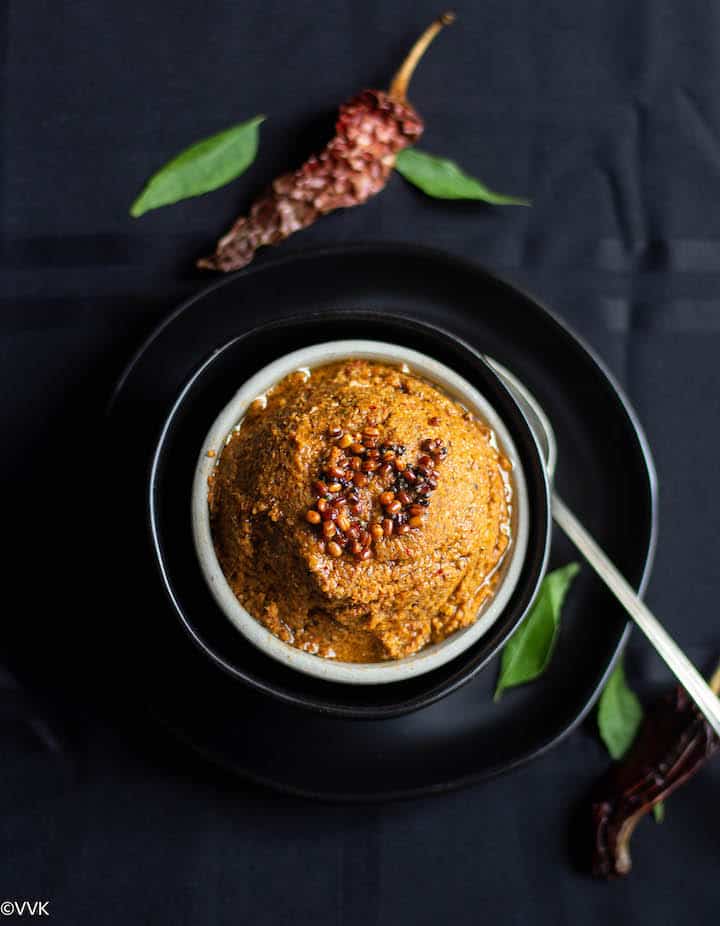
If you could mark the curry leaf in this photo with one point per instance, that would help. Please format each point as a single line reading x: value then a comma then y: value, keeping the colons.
x: 619, y: 714
x: 527, y: 653
x: 443, y: 179
x: 204, y: 166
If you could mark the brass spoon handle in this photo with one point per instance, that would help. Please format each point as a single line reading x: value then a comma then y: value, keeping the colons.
x: 678, y: 663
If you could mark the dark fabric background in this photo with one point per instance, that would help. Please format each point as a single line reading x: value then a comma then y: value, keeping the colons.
x: 608, y: 115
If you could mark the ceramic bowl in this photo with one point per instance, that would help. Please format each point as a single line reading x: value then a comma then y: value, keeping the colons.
x: 230, y: 417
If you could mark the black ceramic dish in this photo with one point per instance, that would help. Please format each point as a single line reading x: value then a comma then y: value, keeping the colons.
x: 207, y: 392
x: 465, y: 736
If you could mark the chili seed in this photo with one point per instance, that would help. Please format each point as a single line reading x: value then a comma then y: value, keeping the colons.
x: 343, y: 522
x: 321, y: 504
x: 334, y: 549
x: 353, y: 498
x: 415, y: 510
x: 345, y: 441
x: 319, y: 487
x: 387, y: 526
x: 434, y: 421
x: 334, y: 487
x: 424, y: 489
x: 371, y: 432
x: 387, y: 497
x: 356, y: 547
x: 376, y: 530
x: 366, y: 554
x: 416, y: 521
x: 404, y: 498
x: 357, y: 448
x: 372, y: 454
x: 370, y: 442
x: 312, y: 517
x: 402, y: 529
x: 335, y: 432
x: 369, y: 466
x: 399, y: 464
x: 388, y: 455
x: 410, y: 476
x: 335, y: 471
x: 394, y: 507
x: 360, y: 480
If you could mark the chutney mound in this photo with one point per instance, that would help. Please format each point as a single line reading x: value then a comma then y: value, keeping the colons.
x: 359, y: 513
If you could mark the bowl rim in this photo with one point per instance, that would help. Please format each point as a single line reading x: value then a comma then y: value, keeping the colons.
x: 313, y: 356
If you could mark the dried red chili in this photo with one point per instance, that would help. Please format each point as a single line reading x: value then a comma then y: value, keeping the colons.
x: 371, y: 129
x: 674, y: 742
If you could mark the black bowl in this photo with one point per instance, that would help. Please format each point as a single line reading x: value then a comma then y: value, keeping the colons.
x: 208, y: 390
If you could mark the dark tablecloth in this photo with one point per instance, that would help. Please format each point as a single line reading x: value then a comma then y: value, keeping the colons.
x: 608, y: 115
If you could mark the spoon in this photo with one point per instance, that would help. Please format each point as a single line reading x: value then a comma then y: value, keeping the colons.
x: 678, y: 663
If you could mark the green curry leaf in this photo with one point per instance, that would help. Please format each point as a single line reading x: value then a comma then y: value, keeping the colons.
x: 443, y: 179
x: 619, y: 714
x: 204, y: 166
x: 527, y: 653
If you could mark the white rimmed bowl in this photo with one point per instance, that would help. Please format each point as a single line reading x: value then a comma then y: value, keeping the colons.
x: 431, y: 657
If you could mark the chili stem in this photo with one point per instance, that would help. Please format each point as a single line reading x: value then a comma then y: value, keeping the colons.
x: 398, y: 88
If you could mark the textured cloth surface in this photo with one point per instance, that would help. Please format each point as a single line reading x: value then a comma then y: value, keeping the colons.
x: 608, y: 116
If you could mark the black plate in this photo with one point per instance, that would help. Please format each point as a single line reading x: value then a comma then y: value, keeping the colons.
x: 604, y: 471
x: 209, y: 389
